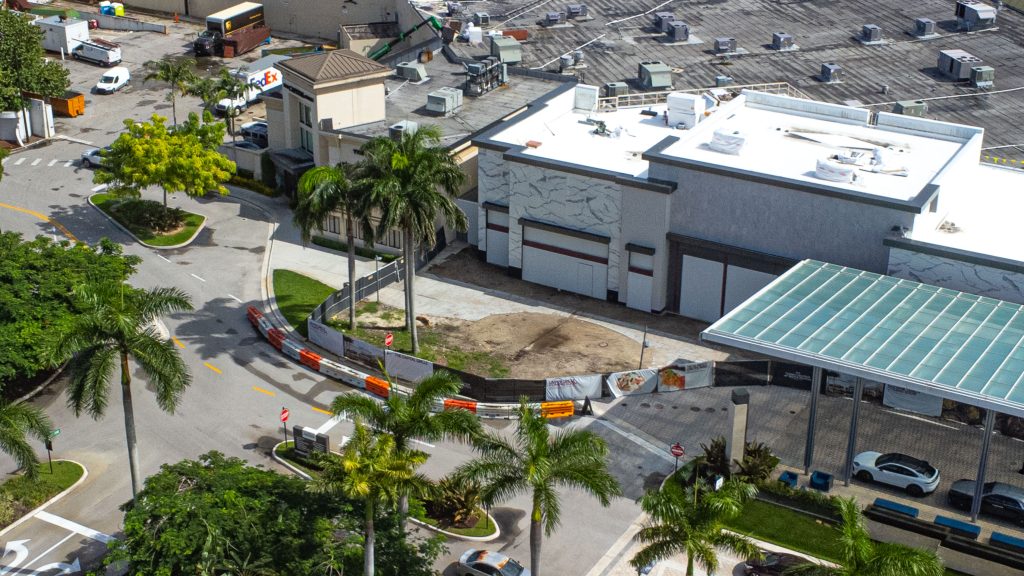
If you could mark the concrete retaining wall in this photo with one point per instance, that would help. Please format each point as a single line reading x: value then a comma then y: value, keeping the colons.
x: 108, y: 22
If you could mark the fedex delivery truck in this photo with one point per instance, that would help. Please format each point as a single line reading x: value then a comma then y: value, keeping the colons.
x: 259, y: 77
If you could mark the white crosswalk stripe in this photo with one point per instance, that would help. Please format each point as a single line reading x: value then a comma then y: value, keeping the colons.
x: 37, y: 161
x: 52, y: 162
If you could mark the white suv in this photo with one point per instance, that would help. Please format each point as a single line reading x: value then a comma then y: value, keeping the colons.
x: 915, y: 476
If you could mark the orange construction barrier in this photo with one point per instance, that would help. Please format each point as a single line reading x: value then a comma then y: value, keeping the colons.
x: 311, y: 359
x: 450, y: 404
x: 560, y: 409
x: 254, y: 315
x: 276, y: 337
x: 377, y: 386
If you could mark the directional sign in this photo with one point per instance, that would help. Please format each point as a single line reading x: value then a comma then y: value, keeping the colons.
x: 55, y: 433
x: 284, y: 414
x: 389, y: 338
x: 678, y: 450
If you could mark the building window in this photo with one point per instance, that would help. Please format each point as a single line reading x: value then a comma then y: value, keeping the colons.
x: 305, y: 114
x: 332, y: 224
x: 306, y: 140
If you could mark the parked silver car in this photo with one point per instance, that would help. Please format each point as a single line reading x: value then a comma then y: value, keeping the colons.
x: 484, y: 563
x: 94, y: 156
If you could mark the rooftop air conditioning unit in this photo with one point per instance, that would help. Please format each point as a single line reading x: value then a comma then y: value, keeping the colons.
x: 481, y: 18
x: 411, y: 71
x: 613, y: 89
x: 553, y: 19
x: 654, y: 75
x: 727, y: 141
x: 454, y: 8
x: 983, y: 76
x: 444, y: 101
x: 475, y: 68
x: 831, y: 72
x: 871, y: 33
x: 661, y: 19
x: 399, y: 129
x: 957, y: 64
x: 974, y: 15
x: 924, y: 27
x: 565, y: 61
x: 782, y: 41
x: 678, y: 31
x: 725, y: 45
x: 723, y: 80
x: 911, y: 108
x: 576, y: 10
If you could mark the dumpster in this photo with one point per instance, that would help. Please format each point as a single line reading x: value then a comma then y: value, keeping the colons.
x: 71, y: 104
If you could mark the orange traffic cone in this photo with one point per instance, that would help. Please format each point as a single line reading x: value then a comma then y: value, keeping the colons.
x: 175, y: 17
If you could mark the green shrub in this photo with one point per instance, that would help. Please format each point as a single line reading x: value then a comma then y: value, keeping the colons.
x: 8, y: 509
x: 360, y: 250
x: 149, y: 215
x: 250, y: 184
x: 455, y: 503
x: 810, y: 501
x: 269, y: 171
x: 757, y: 465
x: 244, y: 174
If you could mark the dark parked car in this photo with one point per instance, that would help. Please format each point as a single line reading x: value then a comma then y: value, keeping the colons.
x: 997, y: 499
x: 773, y: 564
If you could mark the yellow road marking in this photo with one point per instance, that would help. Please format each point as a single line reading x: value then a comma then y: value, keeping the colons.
x: 262, y: 391
x: 322, y: 411
x: 178, y: 342
x: 42, y: 217
x: 212, y: 367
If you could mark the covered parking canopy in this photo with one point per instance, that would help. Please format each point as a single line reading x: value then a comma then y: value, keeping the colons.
x: 952, y: 344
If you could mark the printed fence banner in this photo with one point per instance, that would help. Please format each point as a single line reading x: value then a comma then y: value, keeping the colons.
x: 364, y: 351
x: 632, y: 382
x: 791, y: 375
x: 678, y: 377
x: 912, y: 400
x: 326, y: 337
x: 405, y: 367
x: 573, y: 387
x: 843, y: 384
x: 742, y: 373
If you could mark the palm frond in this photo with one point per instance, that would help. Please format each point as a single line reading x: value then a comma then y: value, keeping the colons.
x: 18, y: 421
x: 164, y: 369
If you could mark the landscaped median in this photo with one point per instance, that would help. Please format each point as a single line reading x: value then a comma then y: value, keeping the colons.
x: 150, y: 222
x: 20, y: 495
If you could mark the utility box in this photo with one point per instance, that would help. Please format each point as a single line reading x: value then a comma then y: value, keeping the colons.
x: 613, y: 89
x: 661, y: 20
x: 678, y: 31
x: 957, y: 64
x: 983, y: 76
x: 725, y: 45
x: 481, y: 18
x: 831, y: 72
x: 62, y: 34
x: 870, y: 33
x: 444, y: 101
x: 782, y: 41
x: 974, y: 15
x: 576, y: 11
x: 654, y: 75
x: 924, y: 27
x: 911, y: 108
x: 507, y: 49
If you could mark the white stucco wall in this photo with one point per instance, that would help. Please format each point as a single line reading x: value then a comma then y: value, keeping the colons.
x: 645, y: 220
x: 956, y: 275
x: 492, y: 179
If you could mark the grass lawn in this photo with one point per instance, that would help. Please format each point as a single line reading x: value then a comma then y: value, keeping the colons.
x: 483, y: 528
x: 106, y: 202
x: 27, y: 494
x: 297, y: 295
x: 785, y: 527
x: 287, y: 452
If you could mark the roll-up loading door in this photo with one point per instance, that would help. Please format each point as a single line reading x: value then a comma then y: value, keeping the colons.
x: 497, y: 235
x: 565, y: 259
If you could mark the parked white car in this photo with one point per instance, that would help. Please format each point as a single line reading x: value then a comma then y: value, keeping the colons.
x: 113, y: 80
x: 915, y: 476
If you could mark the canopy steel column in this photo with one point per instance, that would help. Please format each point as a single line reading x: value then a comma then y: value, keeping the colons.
x: 851, y: 442
x: 812, y: 419
x: 979, y: 484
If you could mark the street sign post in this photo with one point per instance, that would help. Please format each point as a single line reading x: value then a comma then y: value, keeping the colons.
x: 54, y: 433
x: 677, y: 450
x: 284, y: 422
x: 389, y: 338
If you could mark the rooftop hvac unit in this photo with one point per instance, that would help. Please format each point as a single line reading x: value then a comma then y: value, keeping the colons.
x: 957, y: 64
x: 481, y: 18
x: 475, y: 68
x: 727, y: 141
x: 831, y: 72
x: 565, y: 61
x: 454, y: 8
x: 678, y: 31
x: 507, y: 49
x: 482, y: 77
x: 553, y: 19
x: 661, y: 18
x: 444, y: 101
x: 723, y: 80
x: 577, y: 57
x: 685, y: 109
x: 911, y: 108
x: 654, y: 75
x: 399, y: 129
x: 782, y: 41
x: 924, y: 27
x: 576, y: 10
x: 411, y: 71
x: 612, y: 89
x: 585, y: 98
x: 974, y: 15
x: 871, y: 33
x: 725, y: 45
x: 983, y: 76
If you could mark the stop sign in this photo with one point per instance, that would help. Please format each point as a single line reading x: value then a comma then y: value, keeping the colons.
x: 388, y: 339
x: 678, y: 450
x: 284, y: 414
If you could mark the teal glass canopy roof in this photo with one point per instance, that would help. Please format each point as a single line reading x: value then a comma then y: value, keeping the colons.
x: 952, y: 344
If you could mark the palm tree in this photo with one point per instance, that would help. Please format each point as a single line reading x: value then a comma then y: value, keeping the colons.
x: 115, y: 325
x: 407, y: 417
x: 233, y: 87
x: 205, y: 89
x: 537, y: 462
x: 17, y: 421
x: 323, y: 190
x: 372, y: 471
x: 691, y: 521
x: 412, y: 181
x: 178, y: 72
x: 861, y: 556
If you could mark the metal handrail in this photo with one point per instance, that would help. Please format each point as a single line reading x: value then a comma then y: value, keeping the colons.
x: 612, y: 103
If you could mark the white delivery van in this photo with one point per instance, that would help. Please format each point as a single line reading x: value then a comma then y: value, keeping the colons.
x: 260, y: 76
x: 113, y: 80
x: 98, y: 51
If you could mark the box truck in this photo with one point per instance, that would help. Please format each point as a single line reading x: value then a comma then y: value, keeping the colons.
x: 98, y: 51
x: 259, y: 77
x: 242, y: 22
x: 62, y: 34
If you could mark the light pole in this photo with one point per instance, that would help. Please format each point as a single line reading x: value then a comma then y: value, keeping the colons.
x: 376, y: 274
x: 644, y: 346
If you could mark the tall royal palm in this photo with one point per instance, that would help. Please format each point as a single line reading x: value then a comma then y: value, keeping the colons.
x: 405, y: 418
x: 19, y: 421
x: 538, y: 463
x: 178, y: 72
x: 413, y: 182
x: 692, y: 522
x: 372, y: 471
x: 322, y: 191
x: 116, y: 325
x: 862, y: 556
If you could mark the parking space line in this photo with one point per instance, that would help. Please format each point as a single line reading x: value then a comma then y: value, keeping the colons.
x: 74, y: 527
x: 36, y: 161
x: 634, y: 439
x: 197, y: 277
x: 52, y: 162
x: 262, y: 391
x: 48, y: 550
x: 212, y: 367
x: 162, y: 258
x: 67, y: 164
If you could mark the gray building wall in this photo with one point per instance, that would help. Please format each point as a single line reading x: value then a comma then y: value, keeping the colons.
x: 492, y: 174
x: 781, y: 221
